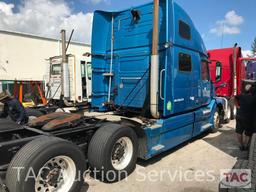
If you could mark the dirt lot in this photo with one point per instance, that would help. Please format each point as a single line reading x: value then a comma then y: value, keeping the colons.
x: 204, y: 156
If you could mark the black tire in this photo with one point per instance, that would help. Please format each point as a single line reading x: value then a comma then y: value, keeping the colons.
x: 34, y: 156
x: 101, y: 148
x: 33, y: 112
x: 233, y: 109
x: 216, y: 124
x: 252, y: 150
x: 228, y: 118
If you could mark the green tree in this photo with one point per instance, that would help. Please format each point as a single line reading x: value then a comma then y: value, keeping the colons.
x: 254, y: 47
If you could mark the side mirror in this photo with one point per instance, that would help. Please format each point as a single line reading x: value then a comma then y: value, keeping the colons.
x: 223, y: 85
x: 135, y: 15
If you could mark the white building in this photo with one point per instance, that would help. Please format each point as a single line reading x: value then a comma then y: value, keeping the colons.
x: 25, y: 56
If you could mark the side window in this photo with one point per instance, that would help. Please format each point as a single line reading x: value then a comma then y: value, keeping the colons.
x: 185, y: 63
x: 83, y: 70
x: 89, y: 70
x: 205, y: 69
x: 184, y: 30
x: 86, y: 69
x: 218, y: 71
x: 56, y: 69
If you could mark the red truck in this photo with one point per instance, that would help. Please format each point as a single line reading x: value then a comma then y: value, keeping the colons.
x: 227, y: 70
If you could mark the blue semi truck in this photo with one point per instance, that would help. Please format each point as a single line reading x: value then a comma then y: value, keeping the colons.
x: 169, y: 88
x: 151, y: 91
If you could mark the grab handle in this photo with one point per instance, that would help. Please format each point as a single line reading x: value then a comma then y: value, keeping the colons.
x: 161, y: 83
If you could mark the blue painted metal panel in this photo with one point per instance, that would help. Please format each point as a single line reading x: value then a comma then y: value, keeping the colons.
x: 100, y: 44
x: 206, y: 112
x: 203, y: 117
x: 178, y: 129
x: 173, y: 138
x: 132, y: 50
x: 170, y: 132
x: 182, y: 82
x: 184, y: 89
x: 178, y: 121
x: 168, y: 135
x: 184, y: 96
x: 196, y: 43
x: 132, y: 79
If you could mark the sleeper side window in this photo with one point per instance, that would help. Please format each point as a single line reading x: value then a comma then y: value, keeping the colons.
x: 184, y: 30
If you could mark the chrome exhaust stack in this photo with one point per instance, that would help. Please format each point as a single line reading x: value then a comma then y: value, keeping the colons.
x: 154, y: 68
x: 65, y: 84
x: 234, y: 69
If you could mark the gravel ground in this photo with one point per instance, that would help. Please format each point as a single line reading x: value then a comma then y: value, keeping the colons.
x: 201, y: 158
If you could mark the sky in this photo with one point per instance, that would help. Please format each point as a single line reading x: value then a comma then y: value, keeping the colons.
x: 221, y: 23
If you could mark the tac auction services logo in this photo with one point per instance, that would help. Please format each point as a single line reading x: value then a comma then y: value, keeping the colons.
x: 236, y: 178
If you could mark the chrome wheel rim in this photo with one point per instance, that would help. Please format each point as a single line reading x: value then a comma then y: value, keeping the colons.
x: 59, y: 110
x: 216, y: 120
x: 122, y: 153
x: 57, y: 175
x: 229, y: 113
x: 234, y: 110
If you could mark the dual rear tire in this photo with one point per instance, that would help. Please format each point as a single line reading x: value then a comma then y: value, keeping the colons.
x: 231, y: 112
x: 228, y: 115
x: 113, y: 152
x: 233, y: 108
x: 46, y: 164
x: 52, y: 164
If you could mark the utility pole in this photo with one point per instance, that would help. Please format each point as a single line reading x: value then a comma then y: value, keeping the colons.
x: 222, y: 35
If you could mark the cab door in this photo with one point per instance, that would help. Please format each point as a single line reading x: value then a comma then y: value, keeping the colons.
x: 205, y: 83
x: 55, y: 79
x: 195, y: 95
x: 182, y: 79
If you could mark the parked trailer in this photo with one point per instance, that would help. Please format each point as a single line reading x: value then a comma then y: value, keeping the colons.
x: 68, y: 78
x: 227, y: 70
x: 78, y: 77
x: 145, y: 102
